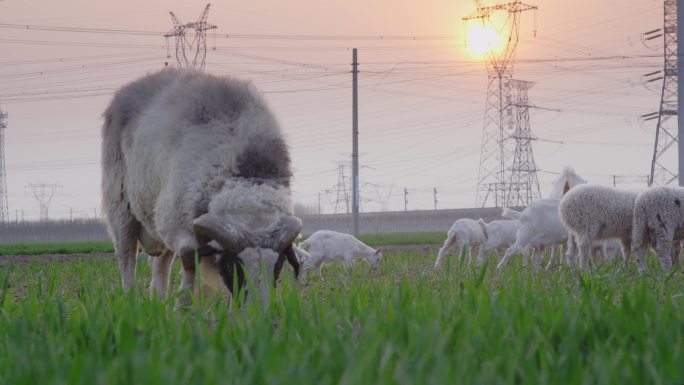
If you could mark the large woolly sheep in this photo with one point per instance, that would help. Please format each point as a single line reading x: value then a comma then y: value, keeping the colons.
x: 593, y: 212
x: 658, y: 218
x: 464, y: 232
x: 189, y: 158
x: 326, y: 246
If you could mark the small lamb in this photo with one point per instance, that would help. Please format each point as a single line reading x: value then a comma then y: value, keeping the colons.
x: 326, y: 246
x: 499, y: 234
x: 464, y: 232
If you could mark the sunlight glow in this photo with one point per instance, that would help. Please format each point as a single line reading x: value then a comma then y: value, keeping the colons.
x: 483, y: 39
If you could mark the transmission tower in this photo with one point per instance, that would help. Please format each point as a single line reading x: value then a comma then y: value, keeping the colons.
x: 496, y: 150
x: 4, y: 211
x: 191, y: 53
x: 342, y: 198
x: 523, y: 187
x: 666, y: 137
x: 43, y: 192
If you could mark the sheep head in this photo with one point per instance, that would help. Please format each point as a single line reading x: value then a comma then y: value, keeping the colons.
x: 247, y: 255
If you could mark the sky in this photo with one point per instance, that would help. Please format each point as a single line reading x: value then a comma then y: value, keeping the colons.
x: 421, y: 91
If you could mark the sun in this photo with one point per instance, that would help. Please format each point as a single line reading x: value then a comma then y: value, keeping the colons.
x: 483, y: 39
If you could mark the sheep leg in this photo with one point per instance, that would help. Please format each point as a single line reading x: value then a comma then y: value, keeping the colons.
x: 319, y: 266
x: 570, y: 250
x: 481, y: 253
x: 625, y: 249
x: 677, y: 251
x: 584, y: 244
x: 161, y: 267
x: 472, y: 250
x: 536, y: 259
x: 125, y: 230
x: 449, y: 243
x: 188, y: 275
x: 515, y: 248
x: 664, y: 248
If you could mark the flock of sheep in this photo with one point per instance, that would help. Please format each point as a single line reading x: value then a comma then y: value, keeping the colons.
x: 195, y: 166
x: 580, y: 218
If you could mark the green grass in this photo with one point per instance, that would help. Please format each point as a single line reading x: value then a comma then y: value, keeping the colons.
x: 69, y: 323
x: 38, y: 248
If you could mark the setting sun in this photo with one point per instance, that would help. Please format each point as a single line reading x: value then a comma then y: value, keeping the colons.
x: 483, y: 39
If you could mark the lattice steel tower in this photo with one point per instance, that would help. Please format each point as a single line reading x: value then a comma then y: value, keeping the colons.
x: 664, y: 163
x: 191, y: 53
x: 4, y: 211
x: 523, y: 186
x: 342, y: 198
x: 44, y: 192
x: 497, y: 149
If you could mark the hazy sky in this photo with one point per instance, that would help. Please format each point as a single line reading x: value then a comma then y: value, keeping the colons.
x: 421, y: 99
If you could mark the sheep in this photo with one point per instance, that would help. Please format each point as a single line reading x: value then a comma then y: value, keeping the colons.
x: 464, y: 232
x: 326, y: 246
x: 189, y: 158
x: 541, y: 226
x: 593, y: 212
x: 498, y: 234
x: 658, y: 218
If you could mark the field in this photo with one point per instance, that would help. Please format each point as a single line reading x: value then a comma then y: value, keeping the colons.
x: 68, y: 322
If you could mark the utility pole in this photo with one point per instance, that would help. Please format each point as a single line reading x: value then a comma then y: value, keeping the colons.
x: 405, y: 199
x: 614, y: 182
x: 355, y: 145
x: 4, y: 209
x: 434, y: 193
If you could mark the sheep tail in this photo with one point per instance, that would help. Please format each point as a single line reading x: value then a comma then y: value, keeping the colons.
x: 510, y: 213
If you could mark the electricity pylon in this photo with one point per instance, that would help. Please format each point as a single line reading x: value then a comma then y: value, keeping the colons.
x: 43, y: 192
x: 664, y: 161
x: 191, y: 53
x: 496, y: 149
x: 523, y: 187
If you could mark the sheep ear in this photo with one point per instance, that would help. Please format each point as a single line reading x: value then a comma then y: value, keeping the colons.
x: 378, y: 251
x: 566, y: 187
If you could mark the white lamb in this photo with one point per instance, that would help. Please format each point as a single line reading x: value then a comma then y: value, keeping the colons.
x: 326, y: 246
x: 592, y: 212
x: 464, y: 232
x: 499, y: 234
x: 541, y: 226
x: 658, y: 218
